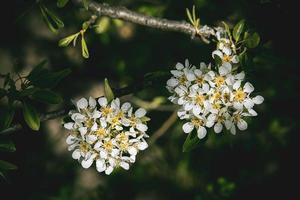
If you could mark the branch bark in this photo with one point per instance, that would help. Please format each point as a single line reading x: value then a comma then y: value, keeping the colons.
x: 118, y: 12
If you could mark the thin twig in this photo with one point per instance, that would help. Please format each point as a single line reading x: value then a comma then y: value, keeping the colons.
x: 163, y: 129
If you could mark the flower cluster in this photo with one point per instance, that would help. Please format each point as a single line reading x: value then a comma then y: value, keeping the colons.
x: 111, y: 135
x: 213, y: 98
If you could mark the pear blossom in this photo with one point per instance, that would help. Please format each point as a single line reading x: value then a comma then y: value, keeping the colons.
x: 212, y: 98
x: 109, y: 134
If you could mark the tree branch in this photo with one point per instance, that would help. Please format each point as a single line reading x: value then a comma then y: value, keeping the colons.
x: 117, y: 12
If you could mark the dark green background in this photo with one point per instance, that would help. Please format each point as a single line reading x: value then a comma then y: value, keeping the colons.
x: 256, y: 164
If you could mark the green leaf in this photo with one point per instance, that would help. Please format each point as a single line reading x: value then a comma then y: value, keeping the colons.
x: 238, y: 29
x: 31, y: 116
x: 84, y: 49
x: 191, y: 142
x: 6, y: 117
x: 47, y: 96
x: 7, y: 146
x: 27, y: 92
x: 37, y: 71
x: 253, y: 40
x: 50, y: 79
x: 218, y: 60
x: 145, y: 119
x: 52, y: 21
x: 2, y: 93
x: 61, y: 3
x: 86, y: 4
x: 227, y: 29
x: 108, y: 91
x: 4, y: 165
x: 85, y: 25
x: 67, y: 40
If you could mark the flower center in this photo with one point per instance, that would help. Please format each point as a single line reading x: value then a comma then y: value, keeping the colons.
x: 84, y: 147
x: 216, y: 106
x: 108, y: 145
x: 226, y: 97
x: 197, y: 122
x: 101, y: 132
x: 217, y: 96
x: 239, y: 95
x: 89, y: 123
x: 219, y: 80
x: 200, y: 80
x: 182, y: 79
x: 200, y: 99
x: 226, y: 58
x: 106, y: 111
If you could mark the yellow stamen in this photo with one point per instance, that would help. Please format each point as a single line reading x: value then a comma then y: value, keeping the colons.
x: 239, y: 95
x: 200, y: 99
x: 219, y: 81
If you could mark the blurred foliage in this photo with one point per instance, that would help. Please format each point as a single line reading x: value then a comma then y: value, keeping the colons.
x: 258, y: 163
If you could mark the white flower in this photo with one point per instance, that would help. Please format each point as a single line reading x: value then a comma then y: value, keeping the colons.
x: 111, y: 135
x: 199, y: 124
x: 212, y: 99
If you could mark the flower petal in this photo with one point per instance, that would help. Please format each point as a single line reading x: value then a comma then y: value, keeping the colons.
x: 248, y: 87
x: 141, y: 112
x: 142, y: 127
x: 132, y: 150
x: 258, y: 99
x: 142, y: 146
x: 109, y: 170
x: 92, y: 102
x: 188, y: 127
x: 179, y: 66
x: 102, y: 101
x: 124, y: 165
x: 76, y: 154
x: 69, y: 125
x: 218, y: 127
x: 201, y: 132
x: 82, y: 103
x: 87, y: 163
x: 242, y: 124
x: 100, y: 165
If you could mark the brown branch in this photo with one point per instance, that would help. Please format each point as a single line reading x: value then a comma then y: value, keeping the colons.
x: 163, y: 129
x: 118, y: 12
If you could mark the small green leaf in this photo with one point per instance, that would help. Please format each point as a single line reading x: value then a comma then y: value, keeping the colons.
x: 253, y: 40
x: 47, y: 96
x: 84, y: 49
x: 145, y: 119
x: 238, y: 29
x: 4, y: 165
x: 37, y: 71
x: 189, y: 15
x: 7, y: 146
x: 191, y: 142
x: 218, y: 60
x: 52, y: 21
x: 86, y: 4
x: 6, y: 117
x: 61, y: 3
x: 67, y: 40
x: 108, y: 91
x: 85, y: 25
x: 31, y: 116
x: 2, y: 93
x: 227, y: 29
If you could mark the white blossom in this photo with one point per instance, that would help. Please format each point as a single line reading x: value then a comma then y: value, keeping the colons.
x: 110, y: 134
